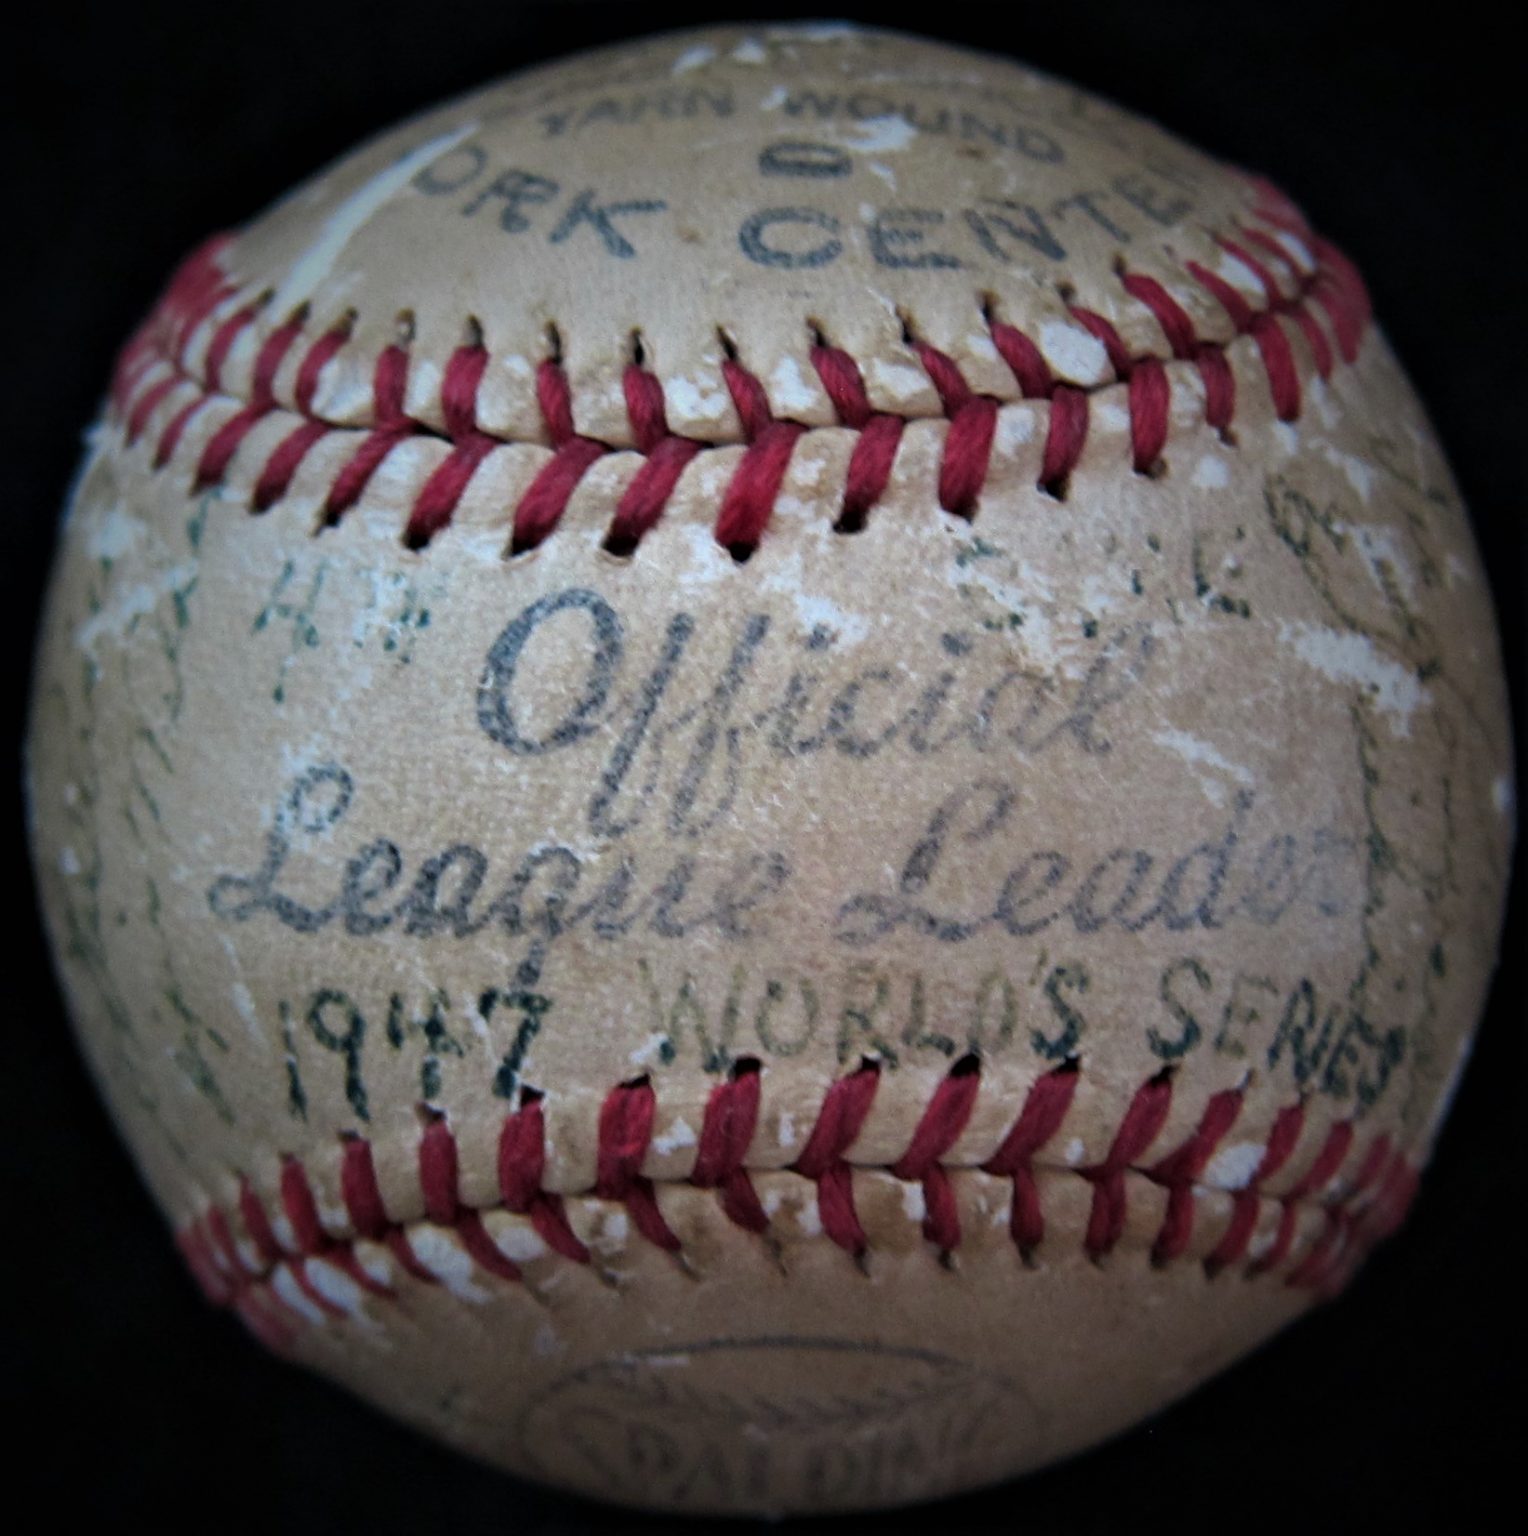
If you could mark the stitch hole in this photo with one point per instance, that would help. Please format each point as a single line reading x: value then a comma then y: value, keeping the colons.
x: 553, y: 344
x: 728, y: 345
x: 403, y: 327
x: 636, y: 350
x: 472, y: 333
x: 1156, y: 470
x: 1057, y: 490
x: 1066, y: 291
x: 619, y: 546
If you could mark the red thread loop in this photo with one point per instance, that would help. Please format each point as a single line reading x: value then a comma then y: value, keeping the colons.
x: 1064, y: 440
x: 732, y: 1114
x: 438, y: 498
x: 1179, y: 1171
x: 1045, y: 1107
x: 1142, y: 1123
x: 824, y: 1158
x: 359, y: 1191
x: 880, y: 435
x: 968, y: 443
x: 522, y: 1171
x: 389, y: 382
x: 939, y: 1129
x: 1168, y: 312
x: 437, y: 1173
x: 626, y: 1127
x: 667, y: 456
x: 1024, y: 359
x: 749, y: 501
x: 225, y: 441
x: 543, y: 504
x: 1328, y: 1160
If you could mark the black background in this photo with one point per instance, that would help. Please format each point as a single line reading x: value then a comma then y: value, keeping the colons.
x: 132, y: 130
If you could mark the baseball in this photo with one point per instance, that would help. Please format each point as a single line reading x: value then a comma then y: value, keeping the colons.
x: 770, y: 770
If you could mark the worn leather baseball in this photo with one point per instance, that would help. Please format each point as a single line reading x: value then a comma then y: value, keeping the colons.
x: 770, y: 770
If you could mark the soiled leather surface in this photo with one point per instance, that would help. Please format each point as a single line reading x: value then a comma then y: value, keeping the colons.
x: 1188, y: 779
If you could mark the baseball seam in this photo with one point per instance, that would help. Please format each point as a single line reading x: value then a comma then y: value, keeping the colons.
x: 163, y: 382
x: 256, y: 1255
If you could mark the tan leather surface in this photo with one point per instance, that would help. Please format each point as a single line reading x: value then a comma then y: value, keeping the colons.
x: 1203, y: 771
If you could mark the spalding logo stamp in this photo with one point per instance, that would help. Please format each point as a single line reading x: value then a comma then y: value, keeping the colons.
x: 853, y: 1423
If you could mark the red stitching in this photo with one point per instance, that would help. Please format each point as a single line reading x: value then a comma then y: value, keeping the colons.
x: 1356, y: 1211
x: 1324, y: 303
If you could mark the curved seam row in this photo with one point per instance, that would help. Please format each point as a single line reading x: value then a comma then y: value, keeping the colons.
x: 201, y: 291
x: 1364, y: 1207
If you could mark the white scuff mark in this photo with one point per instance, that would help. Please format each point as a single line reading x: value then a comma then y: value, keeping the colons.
x: 1075, y: 1152
x: 282, y: 1227
x: 318, y: 260
x: 1236, y: 272
x: 1502, y: 796
x: 647, y: 1054
x: 244, y: 1005
x: 285, y: 1285
x: 68, y: 862
x: 1383, y: 553
x: 885, y: 172
x: 668, y: 1362
x: 1211, y: 473
x: 448, y: 1261
x: 789, y: 388
x: 881, y: 135
x: 897, y: 381
x: 815, y: 611
x: 1076, y: 354
x: 1458, y: 569
x: 1287, y: 436
x: 786, y: 1134
x: 809, y: 1218
x: 1015, y: 426
x: 114, y: 534
x: 1233, y: 1167
x: 692, y: 402
x: 546, y: 1341
x: 130, y: 604
x: 816, y: 32
x: 679, y: 1134
x: 611, y: 1235
x: 1198, y: 754
x: 337, y: 1288
x: 1297, y: 248
x: 375, y: 1261
x: 519, y: 1242
x: 914, y: 1206
x: 774, y: 98
x: 750, y: 51
x: 708, y: 561
x: 693, y: 58
x: 1356, y: 471
x: 1346, y: 657
x: 1111, y: 415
